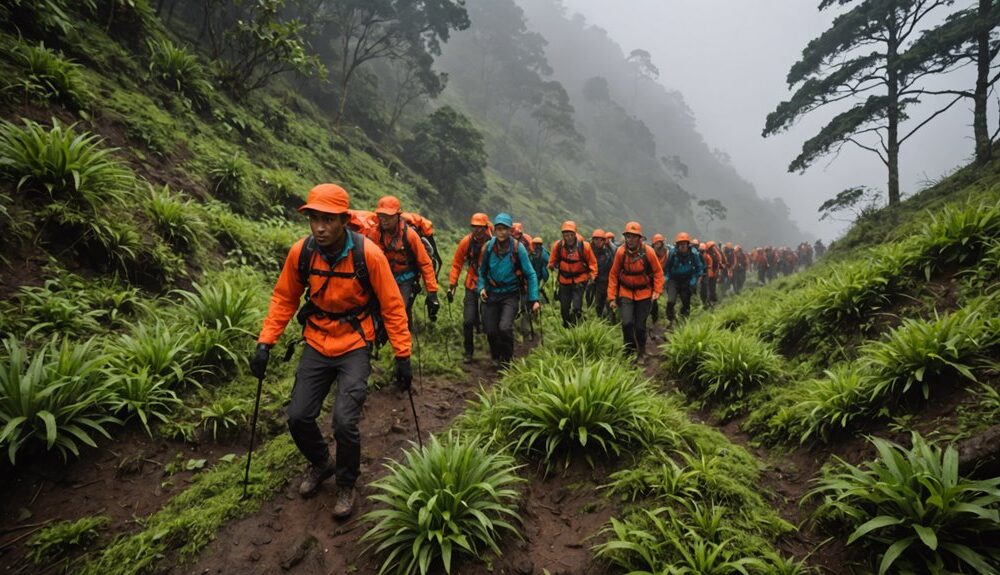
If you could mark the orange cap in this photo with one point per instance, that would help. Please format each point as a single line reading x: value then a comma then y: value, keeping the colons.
x: 609, y: 235
x: 536, y: 240
x: 696, y: 242
x: 658, y: 238
x: 729, y: 244
x: 480, y: 219
x: 682, y: 237
x: 327, y: 198
x: 702, y: 247
x: 568, y: 226
x: 598, y: 233
x: 388, y: 205
x: 738, y: 248
x: 633, y: 228
x: 517, y: 227
x: 710, y: 244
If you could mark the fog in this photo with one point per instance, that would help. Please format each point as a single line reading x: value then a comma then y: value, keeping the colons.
x: 730, y: 58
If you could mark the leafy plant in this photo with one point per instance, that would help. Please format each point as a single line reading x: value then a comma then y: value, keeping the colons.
x: 589, y: 340
x: 222, y: 305
x: 229, y: 177
x: 140, y: 393
x: 736, y: 363
x: 959, y: 233
x: 179, y: 69
x: 835, y: 402
x: 452, y: 497
x: 47, y: 74
x: 659, y: 477
x: 157, y: 348
x: 175, y: 219
x: 226, y: 412
x: 913, y: 508
x: 53, y: 308
x: 687, y: 346
x: 59, y: 397
x: 58, y: 539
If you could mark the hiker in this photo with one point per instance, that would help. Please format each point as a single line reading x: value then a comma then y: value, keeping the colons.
x: 684, y: 267
x: 527, y: 329
x: 819, y: 249
x: 707, y: 276
x: 719, y: 267
x: 504, y: 271
x: 406, y: 254
x: 634, y: 285
x: 539, y: 257
x: 350, y: 295
x: 605, y: 256
x: 660, y: 247
x: 759, y: 260
x: 610, y: 237
x: 729, y: 254
x: 468, y: 255
x: 575, y: 261
x: 741, y: 263
x: 517, y: 232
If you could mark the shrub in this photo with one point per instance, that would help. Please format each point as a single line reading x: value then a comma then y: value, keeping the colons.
x: 180, y: 70
x: 226, y: 412
x: 224, y: 315
x: 138, y: 392
x: 59, y: 538
x: 450, y: 498
x: 959, y: 233
x: 47, y: 75
x: 659, y: 477
x: 175, y: 219
x: 230, y: 179
x: 687, y: 346
x: 835, y: 402
x: 54, y: 308
x: 736, y: 363
x: 590, y: 340
x: 59, y: 397
x: 912, y: 508
x: 156, y: 347
x: 601, y: 406
x: 65, y: 165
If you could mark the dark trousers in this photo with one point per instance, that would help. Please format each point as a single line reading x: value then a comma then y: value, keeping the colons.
x: 654, y: 312
x: 470, y: 318
x: 601, y: 297
x: 571, y: 303
x: 498, y: 321
x: 762, y: 275
x: 406, y: 289
x: 739, y: 278
x: 634, y: 314
x: 313, y: 378
x: 679, y: 287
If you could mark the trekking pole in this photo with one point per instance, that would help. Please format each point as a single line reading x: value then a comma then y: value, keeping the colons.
x: 416, y: 351
x: 416, y: 420
x: 253, y: 433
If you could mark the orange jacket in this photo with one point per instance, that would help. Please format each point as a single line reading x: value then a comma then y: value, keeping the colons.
x: 629, y: 277
x: 333, y: 337
x: 662, y: 258
x: 424, y: 226
x: 709, y: 268
x: 574, y: 267
x: 462, y: 259
x: 394, y: 250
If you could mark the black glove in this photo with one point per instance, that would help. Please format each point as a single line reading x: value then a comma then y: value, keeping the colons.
x: 258, y: 363
x: 404, y: 373
x: 432, y: 306
x: 450, y: 294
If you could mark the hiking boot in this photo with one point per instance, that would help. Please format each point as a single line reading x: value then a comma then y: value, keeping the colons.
x: 315, y: 477
x: 345, y: 502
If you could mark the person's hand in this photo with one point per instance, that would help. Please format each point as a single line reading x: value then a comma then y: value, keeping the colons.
x: 536, y: 307
x: 451, y: 294
x: 613, y: 303
x: 432, y: 306
x: 656, y: 296
x: 482, y: 294
x: 404, y: 373
x: 258, y: 363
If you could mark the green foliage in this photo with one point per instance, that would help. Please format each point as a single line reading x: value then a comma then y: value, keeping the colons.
x: 52, y: 309
x: 687, y: 345
x: 49, y: 15
x: 261, y: 243
x: 735, y: 363
x: 589, y: 340
x: 226, y: 412
x: 959, y: 234
x: 45, y: 74
x: 58, y: 397
x: 141, y: 393
x: 231, y: 181
x: 157, y: 348
x: 451, y: 498
x: 656, y: 477
x: 60, y: 538
x: 175, y: 219
x: 836, y: 402
x: 448, y: 150
x: 180, y: 70
x: 912, y: 508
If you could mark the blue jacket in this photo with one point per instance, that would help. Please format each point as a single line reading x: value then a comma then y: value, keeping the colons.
x: 541, y: 264
x: 605, y: 258
x: 502, y: 275
x: 683, y: 268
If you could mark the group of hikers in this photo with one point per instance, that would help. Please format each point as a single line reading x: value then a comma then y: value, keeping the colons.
x: 360, y: 273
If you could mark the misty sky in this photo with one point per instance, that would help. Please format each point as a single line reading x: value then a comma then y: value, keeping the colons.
x: 730, y: 57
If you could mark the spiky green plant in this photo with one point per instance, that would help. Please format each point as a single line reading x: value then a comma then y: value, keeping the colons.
x: 175, y: 219
x: 178, y: 69
x: 590, y: 340
x: 449, y: 499
x: 230, y: 178
x: 226, y: 412
x: 660, y: 477
x: 156, y: 347
x: 736, y: 363
x: 57, y: 539
x: 601, y: 407
x: 143, y: 394
x: 836, y: 401
x: 59, y: 397
x: 687, y: 347
x: 48, y: 75
x: 52, y: 308
x: 221, y: 305
x: 912, y: 508
x: 958, y: 234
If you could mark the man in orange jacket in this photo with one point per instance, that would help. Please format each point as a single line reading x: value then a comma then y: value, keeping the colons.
x: 349, y: 289
x: 406, y: 254
x: 576, y: 265
x: 469, y: 254
x: 634, y: 285
x: 660, y: 247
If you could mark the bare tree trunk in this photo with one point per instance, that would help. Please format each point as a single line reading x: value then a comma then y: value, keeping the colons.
x: 892, y: 147
x: 979, y: 122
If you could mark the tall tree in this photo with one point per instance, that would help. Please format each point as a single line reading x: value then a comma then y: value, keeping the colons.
x: 858, y: 58
x: 967, y: 37
x: 448, y: 150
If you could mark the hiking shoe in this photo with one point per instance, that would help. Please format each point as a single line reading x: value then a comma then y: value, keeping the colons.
x: 345, y: 502
x: 315, y: 477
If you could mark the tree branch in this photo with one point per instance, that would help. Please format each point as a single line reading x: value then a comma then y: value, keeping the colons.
x: 932, y: 116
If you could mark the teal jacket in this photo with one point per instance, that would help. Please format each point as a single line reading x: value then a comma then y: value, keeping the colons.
x: 497, y: 274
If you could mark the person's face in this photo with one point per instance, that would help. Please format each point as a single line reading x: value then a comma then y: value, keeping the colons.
x: 328, y: 229
x: 598, y: 243
x: 569, y: 238
x: 388, y: 223
x: 683, y: 247
x: 478, y: 231
x: 658, y: 245
x: 502, y: 232
x: 632, y: 241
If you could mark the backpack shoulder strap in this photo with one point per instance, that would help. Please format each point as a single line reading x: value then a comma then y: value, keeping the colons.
x: 305, y: 260
x: 360, y: 264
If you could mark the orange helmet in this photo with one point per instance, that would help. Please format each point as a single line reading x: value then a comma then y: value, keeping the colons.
x: 729, y: 244
x: 738, y: 248
x: 388, y: 205
x: 537, y: 240
x: 710, y: 244
x: 327, y: 198
x: 695, y: 242
x: 658, y: 238
x: 633, y: 228
x: 480, y: 219
x: 568, y: 226
x: 598, y: 233
x: 702, y: 247
x: 609, y: 235
x: 682, y: 237
x: 517, y: 227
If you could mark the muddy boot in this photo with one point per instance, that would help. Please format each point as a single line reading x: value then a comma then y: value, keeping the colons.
x: 345, y: 502
x: 315, y: 477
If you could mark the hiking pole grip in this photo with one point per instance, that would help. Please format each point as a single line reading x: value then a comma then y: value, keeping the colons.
x: 253, y: 435
x: 416, y: 420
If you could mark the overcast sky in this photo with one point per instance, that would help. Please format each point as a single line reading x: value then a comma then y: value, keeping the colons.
x: 730, y: 58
